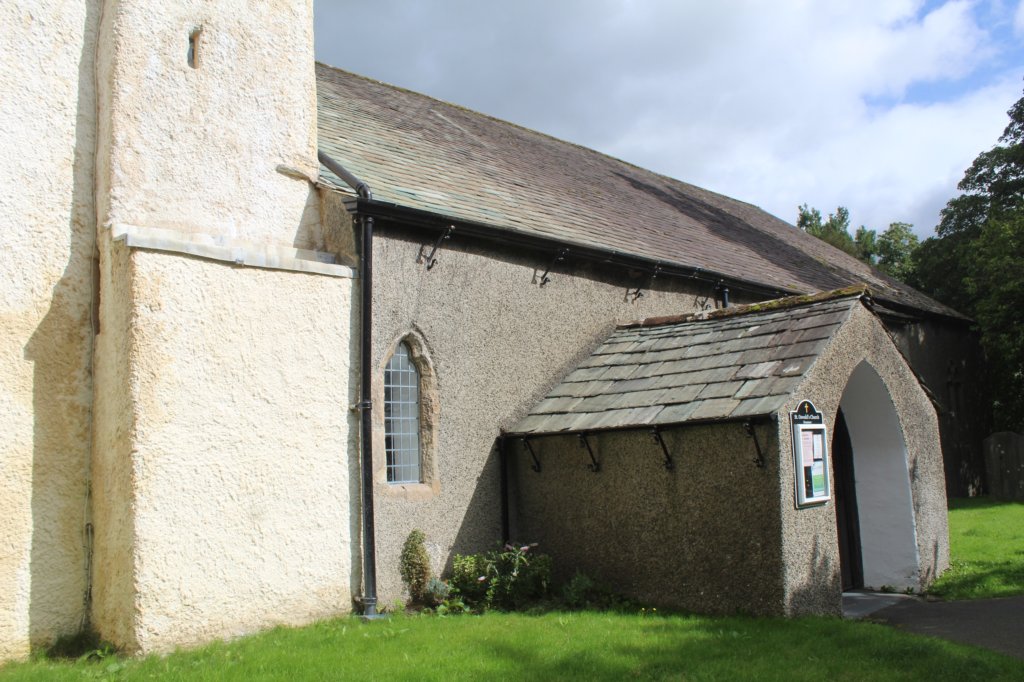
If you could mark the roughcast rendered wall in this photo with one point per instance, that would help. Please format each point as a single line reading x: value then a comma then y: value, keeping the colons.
x: 810, y: 541
x: 497, y: 342
x: 224, y: 146
x: 47, y: 133
x: 703, y: 537
x: 230, y: 512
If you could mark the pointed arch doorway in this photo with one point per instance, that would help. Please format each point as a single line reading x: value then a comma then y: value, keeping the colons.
x: 874, y: 510
x: 847, y: 518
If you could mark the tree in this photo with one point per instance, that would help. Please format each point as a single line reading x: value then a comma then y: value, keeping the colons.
x: 895, y: 249
x: 976, y: 263
x: 835, y: 230
x: 866, y: 243
x: 996, y: 282
x: 892, y: 252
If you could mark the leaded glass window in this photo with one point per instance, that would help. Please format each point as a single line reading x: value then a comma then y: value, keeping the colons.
x: 402, y: 417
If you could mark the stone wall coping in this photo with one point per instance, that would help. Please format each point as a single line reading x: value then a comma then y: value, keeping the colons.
x: 228, y: 250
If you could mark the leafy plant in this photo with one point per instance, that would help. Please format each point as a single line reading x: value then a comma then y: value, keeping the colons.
x: 451, y: 607
x: 436, y: 592
x: 583, y: 592
x: 578, y: 591
x: 508, y: 579
x: 414, y: 566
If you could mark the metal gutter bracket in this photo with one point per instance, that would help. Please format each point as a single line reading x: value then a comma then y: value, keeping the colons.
x: 594, y: 465
x: 562, y: 253
x: 668, y: 463
x: 752, y: 432
x: 533, y: 455
x: 650, y: 282
x: 430, y: 260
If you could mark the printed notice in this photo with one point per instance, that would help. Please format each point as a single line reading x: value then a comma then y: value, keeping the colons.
x: 808, y: 442
x: 818, y: 479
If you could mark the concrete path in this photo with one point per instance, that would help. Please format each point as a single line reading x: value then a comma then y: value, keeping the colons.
x: 996, y: 624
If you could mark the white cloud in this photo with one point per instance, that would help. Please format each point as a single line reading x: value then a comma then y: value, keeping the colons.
x: 774, y: 103
x: 1018, y: 20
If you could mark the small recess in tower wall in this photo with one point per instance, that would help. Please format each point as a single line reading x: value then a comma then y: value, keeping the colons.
x: 193, y: 47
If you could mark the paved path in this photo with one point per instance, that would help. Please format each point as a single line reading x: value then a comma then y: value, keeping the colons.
x: 996, y: 624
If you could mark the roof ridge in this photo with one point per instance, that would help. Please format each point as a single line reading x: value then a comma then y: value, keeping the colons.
x: 857, y: 291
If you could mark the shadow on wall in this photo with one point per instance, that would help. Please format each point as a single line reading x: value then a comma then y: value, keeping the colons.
x: 61, y: 352
x: 480, y: 529
x: 821, y: 593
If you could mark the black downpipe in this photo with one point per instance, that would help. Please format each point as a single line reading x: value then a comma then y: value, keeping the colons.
x: 725, y: 297
x: 503, y: 463
x: 366, y: 429
x: 366, y: 381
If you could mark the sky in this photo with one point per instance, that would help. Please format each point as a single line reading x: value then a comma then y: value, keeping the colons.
x: 878, y: 106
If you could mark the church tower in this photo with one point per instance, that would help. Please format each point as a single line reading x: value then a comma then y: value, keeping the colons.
x: 219, y: 464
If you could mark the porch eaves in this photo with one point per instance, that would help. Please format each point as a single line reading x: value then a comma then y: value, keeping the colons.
x: 741, y: 363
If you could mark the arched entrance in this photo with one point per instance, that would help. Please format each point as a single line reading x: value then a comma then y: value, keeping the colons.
x: 874, y: 510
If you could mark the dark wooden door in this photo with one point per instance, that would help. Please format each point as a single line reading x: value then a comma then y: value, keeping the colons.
x: 847, y: 521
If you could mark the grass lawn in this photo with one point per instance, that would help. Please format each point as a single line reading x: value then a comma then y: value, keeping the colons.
x: 988, y: 561
x: 986, y: 548
x: 590, y: 646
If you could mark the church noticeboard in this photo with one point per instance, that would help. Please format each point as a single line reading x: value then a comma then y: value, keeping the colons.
x: 810, y: 455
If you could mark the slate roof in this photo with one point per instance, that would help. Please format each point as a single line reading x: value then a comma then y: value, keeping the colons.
x: 743, y: 363
x: 425, y: 154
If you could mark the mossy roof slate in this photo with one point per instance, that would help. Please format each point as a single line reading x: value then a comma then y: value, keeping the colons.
x: 421, y: 153
x: 739, y: 365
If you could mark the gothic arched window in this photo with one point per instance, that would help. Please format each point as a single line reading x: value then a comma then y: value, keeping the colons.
x: 402, y: 418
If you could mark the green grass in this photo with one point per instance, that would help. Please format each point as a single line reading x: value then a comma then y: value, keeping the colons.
x: 987, y: 541
x: 589, y: 646
x: 986, y: 548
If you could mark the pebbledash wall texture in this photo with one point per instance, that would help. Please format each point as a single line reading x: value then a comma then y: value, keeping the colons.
x: 719, y: 534
x: 899, y: 489
x: 495, y: 340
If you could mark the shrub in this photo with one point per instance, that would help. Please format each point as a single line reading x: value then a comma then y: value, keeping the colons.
x: 414, y: 565
x: 577, y: 593
x: 583, y: 592
x: 435, y: 592
x: 451, y: 607
x: 509, y: 578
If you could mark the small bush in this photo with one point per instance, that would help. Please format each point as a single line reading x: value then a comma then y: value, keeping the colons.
x: 583, y: 592
x: 451, y: 607
x: 509, y: 579
x: 414, y: 565
x: 435, y: 592
x: 577, y: 592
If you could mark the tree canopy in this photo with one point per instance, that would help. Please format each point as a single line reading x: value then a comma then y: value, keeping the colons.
x: 891, y: 252
x: 975, y: 263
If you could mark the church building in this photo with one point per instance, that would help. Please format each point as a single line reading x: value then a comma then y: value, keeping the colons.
x: 264, y: 317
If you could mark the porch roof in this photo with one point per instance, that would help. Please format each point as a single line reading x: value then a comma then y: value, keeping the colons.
x: 725, y: 364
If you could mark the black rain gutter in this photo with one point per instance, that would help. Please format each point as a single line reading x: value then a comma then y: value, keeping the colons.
x: 366, y: 376
x: 404, y: 215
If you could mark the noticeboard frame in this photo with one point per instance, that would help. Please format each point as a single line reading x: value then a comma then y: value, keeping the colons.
x: 811, y: 473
